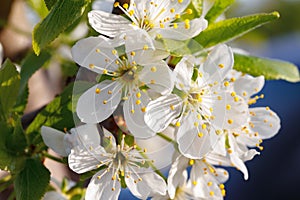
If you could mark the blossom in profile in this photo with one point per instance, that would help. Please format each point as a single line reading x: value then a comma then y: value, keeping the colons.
x: 116, y: 163
x: 126, y: 73
x: 199, y: 108
x: 157, y: 17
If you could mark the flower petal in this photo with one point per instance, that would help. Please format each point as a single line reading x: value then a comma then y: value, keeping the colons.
x: 246, y: 86
x: 265, y: 122
x: 108, y: 24
x: 102, y: 188
x: 134, y: 110
x: 99, y: 102
x: 183, y: 73
x: 193, y: 140
x: 181, y: 32
x: 218, y: 64
x: 54, y: 139
x: 96, y: 53
x: 162, y: 111
x: 85, y: 159
x: 157, y: 76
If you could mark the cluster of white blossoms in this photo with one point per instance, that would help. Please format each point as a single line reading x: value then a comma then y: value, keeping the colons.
x: 201, y: 97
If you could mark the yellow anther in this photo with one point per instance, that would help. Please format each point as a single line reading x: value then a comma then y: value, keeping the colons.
x: 235, y: 134
x: 195, y: 182
x: 211, y: 109
x: 262, y: 96
x: 113, y: 177
x: 113, y: 189
x: 187, y: 24
x: 196, y: 124
x: 125, y: 5
x: 98, y: 50
x: 221, y: 66
x: 228, y: 107
x: 159, y: 36
x: 189, y: 11
x: 244, y: 94
x: 143, y: 109
x: 209, y: 183
x: 203, y: 126
x: 180, y: 1
x: 177, y: 16
x: 109, y: 92
x: 192, y: 162
x: 152, y: 81
x: 229, y: 151
x: 177, y: 124
x: 233, y: 94
x: 172, y: 10
x: 132, y: 53
x: 116, y: 4
x: 131, y: 12
x: 161, y: 25
x: 145, y: 150
x: 92, y: 66
x: 199, y: 116
x: 200, y: 134
x: 97, y: 91
x: 267, y: 108
x: 223, y: 192
x: 211, y: 193
x: 132, y: 111
x: 153, y: 69
x: 230, y: 121
x: 114, y: 52
x: 138, y: 102
x: 236, y: 99
x: 104, y: 102
x: 172, y: 107
x: 138, y: 95
x: 232, y: 79
x: 104, y: 71
x: 218, y: 132
x: 146, y: 47
x: 226, y: 83
x: 222, y: 186
x: 219, y: 98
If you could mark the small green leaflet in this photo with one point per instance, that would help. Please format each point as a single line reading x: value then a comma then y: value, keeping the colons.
x: 62, y: 15
x: 271, y: 69
x: 229, y: 29
x: 219, y: 7
x: 9, y: 87
x: 32, y: 182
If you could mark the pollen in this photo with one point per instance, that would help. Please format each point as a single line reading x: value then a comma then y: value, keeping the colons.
x: 161, y: 25
x: 230, y: 121
x: 177, y: 124
x: 153, y: 69
x: 189, y: 11
x: 232, y: 80
x: 195, y: 182
x: 175, y: 25
x: 138, y: 95
x: 209, y: 183
x: 92, y: 66
x: 97, y: 91
x: 211, y: 193
x: 98, y: 50
x: 125, y: 5
x: 114, y: 52
x: 116, y: 4
x: 226, y: 84
x: 200, y: 134
x: 180, y: 1
x: 104, y: 71
x: 146, y: 47
x: 236, y: 99
x: 104, y: 102
x: 109, y: 92
x: 152, y: 81
x: 138, y: 102
x: 244, y: 94
x: 233, y: 94
x: 172, y: 10
x: 228, y: 107
x: 221, y: 66
x: 203, y: 126
x: 143, y: 109
x: 192, y: 162
x: 132, y: 111
x: 219, y: 98
x: 196, y: 124
x: 172, y: 107
x: 132, y: 53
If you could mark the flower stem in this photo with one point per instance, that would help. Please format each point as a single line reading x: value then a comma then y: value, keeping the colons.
x: 47, y: 155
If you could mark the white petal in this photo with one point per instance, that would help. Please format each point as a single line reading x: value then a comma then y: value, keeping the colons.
x: 84, y: 160
x: 93, y: 107
x: 190, y: 144
x: 177, y: 175
x: 181, y: 33
x: 249, y: 155
x: 102, y: 188
x: 265, y: 121
x: 230, y: 112
x: 151, y: 183
x: 108, y: 24
x: 158, y: 77
x: 134, y: 111
x: 223, y: 175
x: 54, y: 139
x: 183, y: 73
x: 96, y: 53
x: 219, y: 62
x: 83, y: 135
x: 162, y: 111
x: 246, y: 86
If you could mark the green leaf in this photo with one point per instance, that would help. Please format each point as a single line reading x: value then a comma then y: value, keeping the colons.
x: 57, y: 114
x: 9, y: 87
x: 30, y: 65
x: 16, y: 142
x: 39, y: 7
x: 229, y: 29
x: 271, y: 69
x: 32, y: 181
x: 50, y: 3
x: 217, y: 9
x: 62, y: 15
x: 198, y: 6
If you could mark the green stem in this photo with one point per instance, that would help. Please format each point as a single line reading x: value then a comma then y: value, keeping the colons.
x: 47, y: 155
x: 167, y: 138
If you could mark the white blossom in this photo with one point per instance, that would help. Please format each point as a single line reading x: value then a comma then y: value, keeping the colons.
x: 155, y: 16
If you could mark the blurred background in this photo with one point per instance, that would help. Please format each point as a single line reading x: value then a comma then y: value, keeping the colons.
x: 275, y: 173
